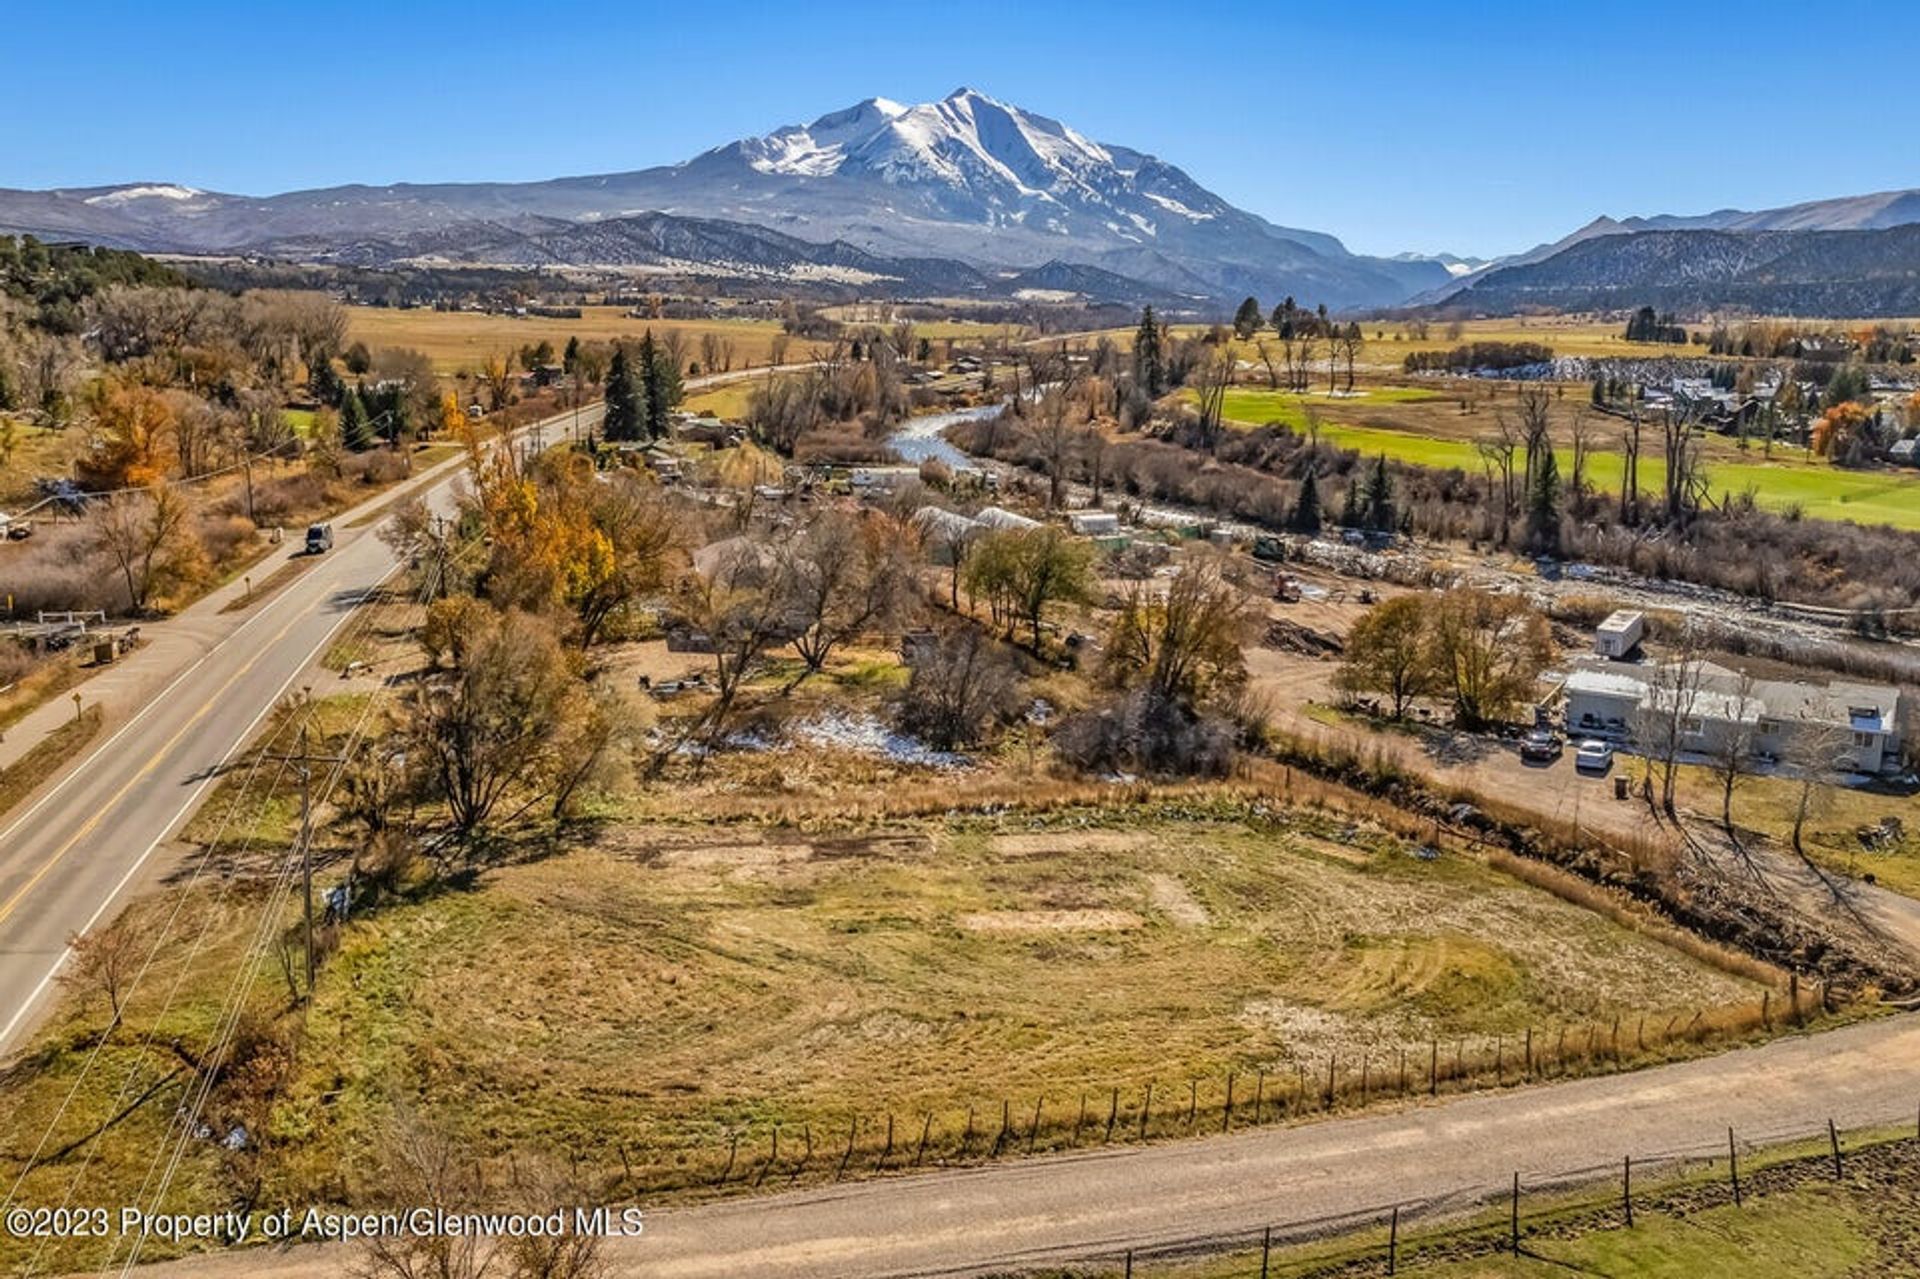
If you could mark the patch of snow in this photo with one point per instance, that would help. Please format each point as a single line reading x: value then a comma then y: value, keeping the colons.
x: 865, y: 735
x: 126, y: 195
x: 1174, y: 206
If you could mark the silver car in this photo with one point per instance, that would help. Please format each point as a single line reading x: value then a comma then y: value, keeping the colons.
x: 1593, y: 756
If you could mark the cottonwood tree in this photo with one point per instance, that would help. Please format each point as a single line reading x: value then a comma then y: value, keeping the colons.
x: 498, y: 724
x: 640, y: 541
x: 148, y: 537
x: 1185, y: 646
x: 1024, y: 572
x: 1486, y: 652
x: 738, y: 597
x: 846, y: 575
x: 1387, y: 653
x: 1210, y: 381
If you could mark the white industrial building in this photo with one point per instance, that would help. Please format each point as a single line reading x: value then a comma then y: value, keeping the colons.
x: 1860, y: 722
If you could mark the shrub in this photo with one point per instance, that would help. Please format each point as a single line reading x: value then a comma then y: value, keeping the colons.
x: 961, y: 686
x: 1140, y: 733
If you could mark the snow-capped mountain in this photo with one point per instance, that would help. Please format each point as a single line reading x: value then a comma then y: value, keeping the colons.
x: 968, y: 177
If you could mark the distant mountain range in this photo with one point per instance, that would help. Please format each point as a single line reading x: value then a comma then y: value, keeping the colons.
x: 1852, y: 256
x: 972, y: 183
x: 973, y: 197
x: 1811, y: 273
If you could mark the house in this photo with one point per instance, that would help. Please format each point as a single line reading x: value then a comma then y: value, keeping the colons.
x: 1620, y: 634
x: 1856, y: 725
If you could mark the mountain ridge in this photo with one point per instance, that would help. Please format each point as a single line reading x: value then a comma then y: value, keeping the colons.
x: 968, y: 178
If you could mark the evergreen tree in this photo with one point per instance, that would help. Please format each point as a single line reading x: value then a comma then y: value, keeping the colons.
x: 356, y: 430
x: 325, y: 383
x: 660, y: 388
x: 571, y: 358
x: 1380, y: 497
x: 1149, y: 361
x: 1306, y: 509
x: 1351, y: 515
x: 1247, y: 319
x: 1543, y: 506
x: 625, y: 409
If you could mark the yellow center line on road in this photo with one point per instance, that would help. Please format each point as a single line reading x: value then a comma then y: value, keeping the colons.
x: 153, y: 762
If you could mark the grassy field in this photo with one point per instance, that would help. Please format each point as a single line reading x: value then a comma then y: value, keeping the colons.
x: 38, y: 454
x: 667, y: 986
x: 1388, y: 343
x: 456, y: 340
x: 1429, y: 430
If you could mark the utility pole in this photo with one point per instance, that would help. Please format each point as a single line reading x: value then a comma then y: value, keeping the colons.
x: 303, y: 764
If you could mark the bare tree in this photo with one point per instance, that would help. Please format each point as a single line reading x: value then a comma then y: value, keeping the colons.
x: 1265, y: 352
x: 957, y: 688
x: 1667, y: 718
x: 422, y: 1167
x: 848, y: 574
x: 1497, y: 455
x: 147, y: 536
x: 107, y: 959
x: 1733, y: 747
x: 1185, y: 645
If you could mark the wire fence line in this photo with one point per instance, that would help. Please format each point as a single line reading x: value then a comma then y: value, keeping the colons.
x: 1538, y: 1206
x: 857, y: 1143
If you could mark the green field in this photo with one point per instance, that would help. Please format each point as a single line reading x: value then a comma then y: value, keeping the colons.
x: 1819, y: 490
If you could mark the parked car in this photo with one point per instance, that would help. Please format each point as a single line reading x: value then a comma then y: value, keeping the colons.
x: 319, y: 538
x: 1593, y: 756
x: 1540, y: 747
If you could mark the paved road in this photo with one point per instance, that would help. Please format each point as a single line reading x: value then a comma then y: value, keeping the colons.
x: 1302, y: 1181
x: 193, y: 696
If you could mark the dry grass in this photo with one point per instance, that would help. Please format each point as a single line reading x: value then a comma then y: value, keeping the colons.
x: 457, y: 340
x: 667, y: 987
x: 26, y: 774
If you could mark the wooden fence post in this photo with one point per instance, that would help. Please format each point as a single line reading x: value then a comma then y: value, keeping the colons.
x: 1193, y: 1100
x: 1833, y: 1137
x: 1113, y: 1113
x: 1393, y: 1240
x: 1259, y: 1096
x: 853, y: 1131
x: 1626, y: 1189
x: 1033, y: 1129
x: 1266, y: 1250
x: 1146, y: 1109
x: 926, y: 1131
x: 1513, y: 1219
x: 1226, y: 1116
x: 1433, y: 1069
x: 1081, y: 1122
x: 1733, y: 1167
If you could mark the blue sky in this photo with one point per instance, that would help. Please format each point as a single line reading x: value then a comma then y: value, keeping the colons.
x: 1477, y: 129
